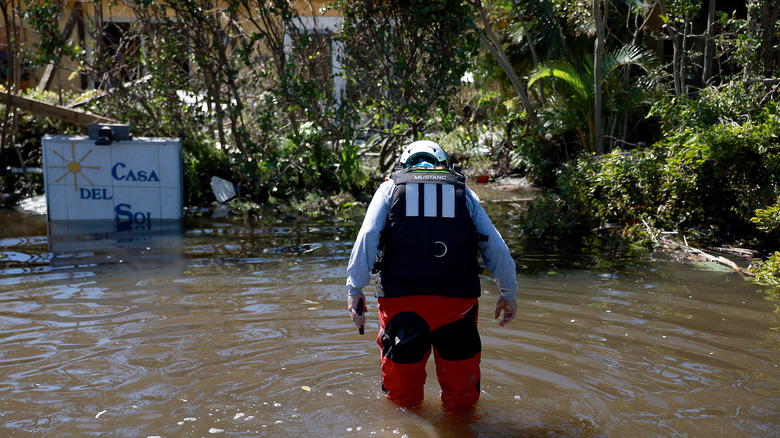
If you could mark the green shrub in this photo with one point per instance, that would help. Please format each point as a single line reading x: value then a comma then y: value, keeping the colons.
x: 721, y: 175
x: 539, y: 156
x: 712, y: 170
x: 768, y: 219
x: 615, y: 188
x: 551, y: 217
x: 767, y: 271
x: 734, y: 103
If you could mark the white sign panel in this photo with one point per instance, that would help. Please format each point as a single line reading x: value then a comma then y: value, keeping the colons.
x: 136, y: 181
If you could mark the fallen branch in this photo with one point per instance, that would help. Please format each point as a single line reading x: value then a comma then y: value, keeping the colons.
x: 706, y: 256
x: 40, y: 108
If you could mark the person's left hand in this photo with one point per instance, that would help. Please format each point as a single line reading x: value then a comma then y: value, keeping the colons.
x: 352, y: 302
x: 509, y: 307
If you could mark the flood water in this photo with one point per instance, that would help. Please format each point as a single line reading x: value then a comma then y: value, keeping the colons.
x: 223, y: 328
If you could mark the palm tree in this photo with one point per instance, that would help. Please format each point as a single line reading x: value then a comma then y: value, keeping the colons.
x: 571, y: 88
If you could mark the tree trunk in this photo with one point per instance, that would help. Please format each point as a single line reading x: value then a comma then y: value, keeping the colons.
x: 8, y: 136
x: 530, y: 47
x: 7, y: 103
x: 674, y: 37
x: 98, y: 53
x: 769, y: 52
x: 598, y: 55
x: 683, y: 57
x: 490, y: 41
x: 676, y: 72
x: 709, y: 45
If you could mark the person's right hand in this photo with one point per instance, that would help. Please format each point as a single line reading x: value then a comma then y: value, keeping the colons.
x: 352, y: 302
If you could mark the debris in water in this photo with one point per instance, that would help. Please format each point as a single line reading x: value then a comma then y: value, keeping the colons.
x: 305, y: 388
x: 35, y: 205
x: 223, y: 189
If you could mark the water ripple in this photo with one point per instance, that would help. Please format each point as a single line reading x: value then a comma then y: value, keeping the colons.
x: 242, y: 331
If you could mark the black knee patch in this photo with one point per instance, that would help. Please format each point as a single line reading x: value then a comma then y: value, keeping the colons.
x: 458, y: 340
x: 406, y: 338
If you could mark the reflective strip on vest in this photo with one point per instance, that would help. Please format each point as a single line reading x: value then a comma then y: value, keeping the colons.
x: 412, y: 198
x: 430, y: 199
x: 448, y: 200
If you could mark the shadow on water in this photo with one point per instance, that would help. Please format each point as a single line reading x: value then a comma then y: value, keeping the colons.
x: 526, y: 423
x: 216, y: 327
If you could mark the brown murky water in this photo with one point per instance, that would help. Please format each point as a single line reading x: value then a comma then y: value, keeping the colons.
x: 224, y: 329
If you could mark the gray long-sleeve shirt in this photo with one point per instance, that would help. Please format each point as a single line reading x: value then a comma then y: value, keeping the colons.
x: 494, y: 251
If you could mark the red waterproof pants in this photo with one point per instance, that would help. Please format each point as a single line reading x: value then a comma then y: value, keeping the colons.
x: 410, y: 327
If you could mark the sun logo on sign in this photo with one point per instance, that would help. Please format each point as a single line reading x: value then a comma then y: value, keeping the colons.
x: 74, y: 167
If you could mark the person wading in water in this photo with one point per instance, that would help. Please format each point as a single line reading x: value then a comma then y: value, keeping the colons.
x: 421, y: 235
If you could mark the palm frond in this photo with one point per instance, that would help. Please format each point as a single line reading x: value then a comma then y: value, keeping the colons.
x: 559, y: 117
x: 548, y: 28
x: 567, y: 73
x: 626, y: 55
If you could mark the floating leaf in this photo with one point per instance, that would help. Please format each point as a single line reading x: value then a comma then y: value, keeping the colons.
x: 305, y: 388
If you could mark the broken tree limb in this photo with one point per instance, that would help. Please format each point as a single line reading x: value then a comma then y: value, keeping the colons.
x: 41, y: 108
x: 705, y: 256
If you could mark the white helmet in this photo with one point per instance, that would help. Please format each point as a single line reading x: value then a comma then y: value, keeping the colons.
x: 424, y: 150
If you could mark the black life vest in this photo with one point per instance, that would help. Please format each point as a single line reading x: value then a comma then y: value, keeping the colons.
x: 429, y: 245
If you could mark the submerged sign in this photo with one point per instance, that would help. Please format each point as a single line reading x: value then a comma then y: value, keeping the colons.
x: 104, y: 246
x: 133, y: 183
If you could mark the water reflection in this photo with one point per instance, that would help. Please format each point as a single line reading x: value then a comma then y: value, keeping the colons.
x: 222, y: 328
x: 155, y: 246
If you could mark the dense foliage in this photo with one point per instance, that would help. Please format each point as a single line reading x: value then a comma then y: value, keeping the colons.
x: 716, y: 165
x: 644, y: 116
x: 403, y: 60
